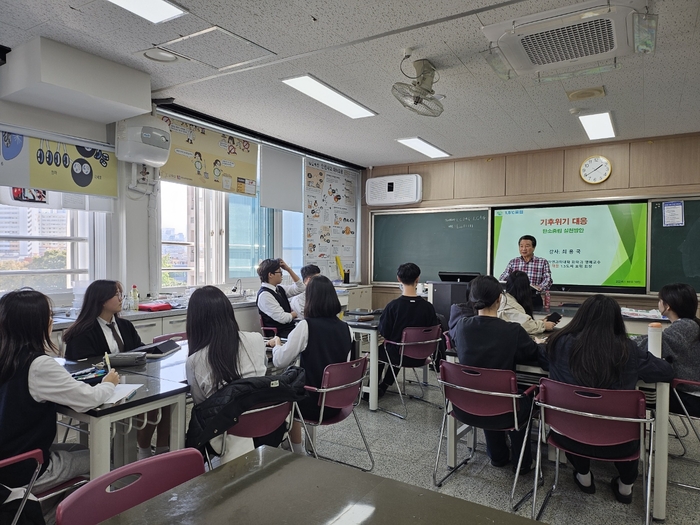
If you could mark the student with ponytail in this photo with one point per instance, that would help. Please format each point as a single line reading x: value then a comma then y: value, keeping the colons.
x: 486, y: 341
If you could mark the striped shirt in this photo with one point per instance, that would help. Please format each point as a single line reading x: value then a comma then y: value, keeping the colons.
x: 537, y: 270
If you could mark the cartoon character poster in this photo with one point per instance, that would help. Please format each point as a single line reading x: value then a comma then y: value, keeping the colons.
x: 209, y: 159
x: 330, y: 217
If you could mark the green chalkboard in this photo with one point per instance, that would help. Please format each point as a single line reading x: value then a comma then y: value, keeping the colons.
x: 675, y: 250
x: 451, y: 241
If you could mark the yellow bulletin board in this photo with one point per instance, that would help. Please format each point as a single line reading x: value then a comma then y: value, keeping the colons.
x: 210, y: 159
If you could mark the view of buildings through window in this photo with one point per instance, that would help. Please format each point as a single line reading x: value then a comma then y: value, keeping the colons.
x: 42, y: 248
x: 189, y: 228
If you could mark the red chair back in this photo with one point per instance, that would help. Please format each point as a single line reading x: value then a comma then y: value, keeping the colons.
x: 591, y: 431
x: 261, y: 421
x: 347, y: 378
x: 420, y: 342
x: 484, y: 383
x: 265, y: 329
x: 93, y: 503
x: 177, y: 336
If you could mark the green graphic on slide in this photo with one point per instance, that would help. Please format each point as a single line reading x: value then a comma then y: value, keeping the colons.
x: 497, y: 220
x: 629, y: 264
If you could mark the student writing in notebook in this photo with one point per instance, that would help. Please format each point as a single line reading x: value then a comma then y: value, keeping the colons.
x: 99, y: 330
x: 31, y: 385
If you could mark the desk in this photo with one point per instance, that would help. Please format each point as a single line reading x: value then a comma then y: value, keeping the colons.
x: 370, y: 328
x: 155, y: 393
x: 270, y: 485
x: 526, y: 373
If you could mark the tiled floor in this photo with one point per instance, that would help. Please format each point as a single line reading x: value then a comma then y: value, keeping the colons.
x: 405, y: 451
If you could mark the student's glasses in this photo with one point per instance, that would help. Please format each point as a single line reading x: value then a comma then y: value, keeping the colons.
x: 119, y: 295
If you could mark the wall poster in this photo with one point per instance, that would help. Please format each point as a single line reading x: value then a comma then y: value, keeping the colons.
x: 210, y: 159
x: 330, y: 217
x: 28, y: 162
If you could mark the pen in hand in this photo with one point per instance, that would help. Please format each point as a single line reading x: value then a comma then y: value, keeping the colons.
x: 109, y: 366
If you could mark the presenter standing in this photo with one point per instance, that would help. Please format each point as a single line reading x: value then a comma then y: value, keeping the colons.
x: 536, y: 268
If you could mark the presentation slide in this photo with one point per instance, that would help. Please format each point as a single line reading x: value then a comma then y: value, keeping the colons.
x: 602, y: 245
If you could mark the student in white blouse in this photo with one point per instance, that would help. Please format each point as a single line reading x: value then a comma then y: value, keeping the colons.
x: 220, y: 353
x: 31, y: 385
x: 299, y: 301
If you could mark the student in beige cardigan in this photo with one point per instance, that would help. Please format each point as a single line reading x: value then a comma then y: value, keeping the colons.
x: 516, y: 305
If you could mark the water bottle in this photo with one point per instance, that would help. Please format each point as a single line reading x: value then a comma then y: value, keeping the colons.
x: 134, y: 298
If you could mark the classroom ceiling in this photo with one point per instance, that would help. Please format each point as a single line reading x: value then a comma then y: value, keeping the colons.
x: 356, y: 47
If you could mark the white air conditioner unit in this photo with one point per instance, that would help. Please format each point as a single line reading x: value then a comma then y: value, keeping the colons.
x: 568, y: 36
x: 394, y: 190
x: 143, y: 140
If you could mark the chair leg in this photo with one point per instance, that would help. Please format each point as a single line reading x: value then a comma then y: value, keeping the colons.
x: 396, y: 382
x: 526, y: 443
x: 437, y: 457
x: 422, y: 392
x: 538, y: 474
x: 679, y: 438
x: 647, y: 516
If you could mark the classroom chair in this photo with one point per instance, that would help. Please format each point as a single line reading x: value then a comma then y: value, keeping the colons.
x: 685, y: 416
x: 38, y: 456
x: 176, y: 336
x: 597, y: 417
x: 482, y: 392
x: 96, y: 501
x: 418, y: 343
x: 340, y: 388
x: 259, y: 421
x: 267, y: 331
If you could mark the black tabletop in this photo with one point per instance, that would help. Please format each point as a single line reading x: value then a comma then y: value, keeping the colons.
x: 270, y: 485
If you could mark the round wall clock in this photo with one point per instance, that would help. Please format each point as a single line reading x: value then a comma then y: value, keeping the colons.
x: 596, y: 169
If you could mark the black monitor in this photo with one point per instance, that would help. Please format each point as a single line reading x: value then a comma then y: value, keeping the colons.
x: 458, y: 277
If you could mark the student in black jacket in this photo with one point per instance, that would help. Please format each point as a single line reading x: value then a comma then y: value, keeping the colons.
x: 99, y: 330
x: 593, y: 350
x: 409, y: 310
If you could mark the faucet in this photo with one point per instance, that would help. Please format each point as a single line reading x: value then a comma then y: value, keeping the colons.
x: 237, y: 286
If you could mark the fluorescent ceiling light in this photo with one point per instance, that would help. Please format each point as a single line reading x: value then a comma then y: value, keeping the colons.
x: 424, y: 147
x: 598, y: 126
x: 330, y: 97
x: 155, y: 11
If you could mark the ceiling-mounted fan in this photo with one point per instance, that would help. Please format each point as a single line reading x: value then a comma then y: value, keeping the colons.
x: 418, y: 96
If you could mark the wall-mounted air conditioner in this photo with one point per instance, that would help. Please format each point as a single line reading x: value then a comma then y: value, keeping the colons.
x: 394, y: 190
x: 568, y: 36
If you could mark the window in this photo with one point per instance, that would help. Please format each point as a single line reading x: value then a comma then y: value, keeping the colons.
x: 178, y: 234
x: 293, y: 239
x: 211, y: 237
x: 249, y: 235
x: 48, y: 249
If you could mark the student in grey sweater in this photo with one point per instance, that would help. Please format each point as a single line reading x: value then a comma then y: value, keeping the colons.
x: 680, y: 342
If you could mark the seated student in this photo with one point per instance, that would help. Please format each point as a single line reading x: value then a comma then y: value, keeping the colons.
x: 218, y: 354
x: 273, y: 297
x: 593, y: 350
x: 680, y: 342
x: 516, y: 304
x: 298, y: 301
x: 486, y: 341
x: 99, y: 330
x: 321, y: 339
x: 459, y: 310
x: 409, y: 310
x: 31, y: 385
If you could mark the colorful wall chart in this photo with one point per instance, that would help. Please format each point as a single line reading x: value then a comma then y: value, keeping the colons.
x: 29, y: 162
x: 210, y: 159
x: 330, y: 217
